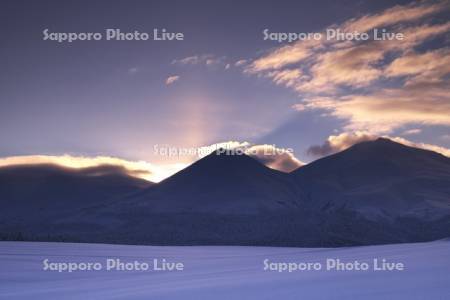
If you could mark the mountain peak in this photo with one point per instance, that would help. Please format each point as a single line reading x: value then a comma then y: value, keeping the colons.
x: 222, y: 163
x: 375, y: 146
x: 380, y: 156
x: 226, y: 173
x: 230, y: 155
x: 384, y: 140
x: 385, y: 148
x: 379, y: 142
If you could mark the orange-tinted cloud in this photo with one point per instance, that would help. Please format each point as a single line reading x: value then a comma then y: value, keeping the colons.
x: 372, y: 85
x: 387, y: 109
x: 140, y: 169
x: 394, y: 15
x: 269, y: 155
x: 275, y: 158
x: 171, y: 79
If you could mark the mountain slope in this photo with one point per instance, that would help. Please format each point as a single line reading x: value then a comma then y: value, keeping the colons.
x: 372, y: 193
x: 380, y: 178
x: 223, y: 184
x: 34, y: 193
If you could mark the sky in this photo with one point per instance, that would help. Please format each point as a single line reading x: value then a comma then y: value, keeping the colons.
x: 128, y: 103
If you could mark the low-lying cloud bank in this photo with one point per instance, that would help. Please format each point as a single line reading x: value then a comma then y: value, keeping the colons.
x: 139, y: 169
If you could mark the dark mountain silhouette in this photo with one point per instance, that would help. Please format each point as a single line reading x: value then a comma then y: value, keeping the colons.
x: 380, y: 178
x: 374, y: 192
x: 37, y: 192
x: 224, y: 184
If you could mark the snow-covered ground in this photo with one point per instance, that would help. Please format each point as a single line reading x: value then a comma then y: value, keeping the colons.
x: 222, y: 272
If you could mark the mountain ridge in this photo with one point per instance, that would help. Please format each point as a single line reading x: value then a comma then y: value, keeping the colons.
x: 224, y: 179
x: 372, y: 193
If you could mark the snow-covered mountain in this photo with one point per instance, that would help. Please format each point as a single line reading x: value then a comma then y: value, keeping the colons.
x: 33, y: 197
x: 380, y: 179
x: 223, y: 184
x: 374, y: 192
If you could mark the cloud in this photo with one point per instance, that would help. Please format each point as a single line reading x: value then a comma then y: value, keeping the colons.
x: 133, y: 70
x: 396, y: 14
x: 212, y: 61
x: 134, y: 168
x: 371, y: 85
x: 190, y: 60
x: 412, y: 131
x: 284, y: 56
x: 388, y: 109
x: 106, y: 164
x: 353, y: 66
x: 337, y: 143
x: 431, y: 66
x: 299, y: 107
x: 356, y: 65
x: 203, y: 59
x: 275, y: 158
x: 286, y: 77
x: 171, y: 79
x: 240, y: 62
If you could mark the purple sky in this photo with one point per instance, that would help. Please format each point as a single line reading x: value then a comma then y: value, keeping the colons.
x: 223, y: 82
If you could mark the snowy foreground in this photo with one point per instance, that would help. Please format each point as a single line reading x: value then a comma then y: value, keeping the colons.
x: 221, y: 272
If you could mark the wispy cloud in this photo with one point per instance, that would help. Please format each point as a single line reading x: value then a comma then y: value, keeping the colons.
x: 372, y: 85
x: 202, y: 59
x: 240, y: 62
x: 286, y: 77
x: 387, y: 109
x: 394, y: 15
x: 133, y: 70
x: 284, y: 56
x: 190, y: 60
x: 412, y: 131
x: 429, y: 66
x: 171, y: 79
